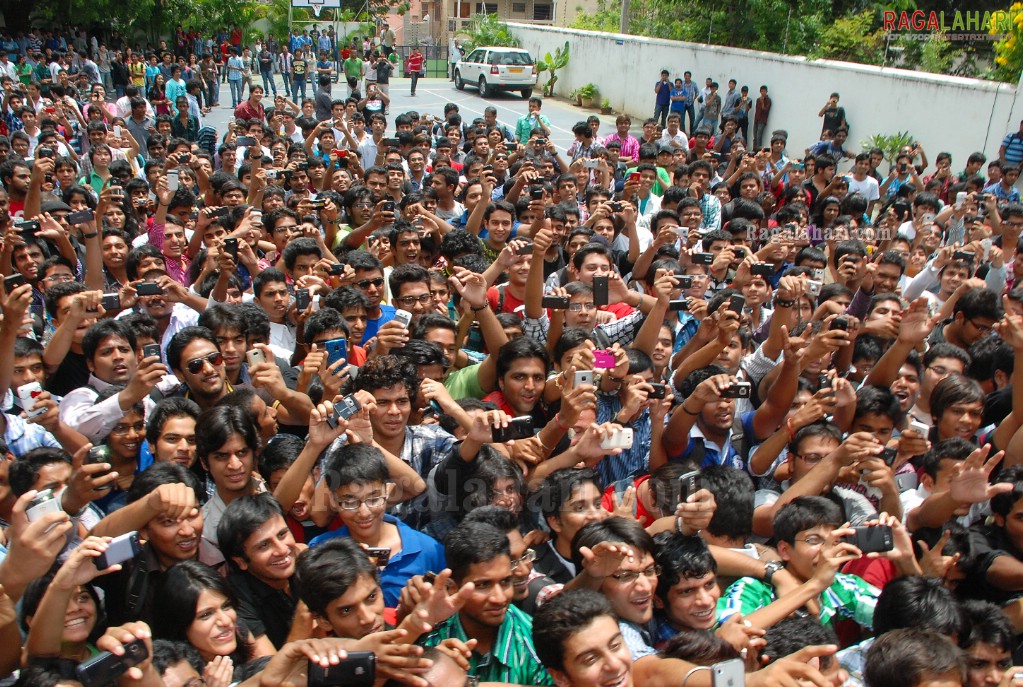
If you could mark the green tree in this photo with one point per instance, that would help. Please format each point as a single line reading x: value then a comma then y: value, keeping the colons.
x: 851, y: 39
x: 485, y: 29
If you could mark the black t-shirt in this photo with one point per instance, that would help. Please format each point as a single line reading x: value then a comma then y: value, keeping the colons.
x: 72, y: 374
x: 833, y: 119
x: 263, y: 609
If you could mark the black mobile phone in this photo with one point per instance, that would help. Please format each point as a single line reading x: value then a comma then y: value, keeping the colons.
x: 737, y: 303
x: 737, y: 390
x: 555, y: 302
x: 902, y: 167
x: 680, y: 305
x: 526, y: 249
x: 111, y: 301
x: 536, y: 192
x: 888, y: 456
x: 184, y: 159
x: 105, y: 668
x: 616, y: 206
x: 762, y: 270
x: 518, y: 428
x: 343, y: 409
x: 388, y: 206
x: 380, y: 554
x: 823, y: 381
x: 151, y: 351
x: 80, y: 217
x: 389, y: 142
x: 302, y: 167
x: 46, y: 152
x: 302, y: 299
x: 220, y: 212
x: 841, y: 323
x: 358, y: 669
x: 658, y: 390
x: 245, y: 141
x: 149, y: 288
x: 14, y: 281
x: 703, y: 258
x: 100, y: 454
x: 336, y: 268
x: 231, y: 246
x: 688, y: 485
x: 685, y: 281
x: 600, y: 293
x: 964, y: 255
x: 873, y: 539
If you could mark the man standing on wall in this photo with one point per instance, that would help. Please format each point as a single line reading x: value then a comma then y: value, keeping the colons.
x: 760, y: 115
x: 662, y: 102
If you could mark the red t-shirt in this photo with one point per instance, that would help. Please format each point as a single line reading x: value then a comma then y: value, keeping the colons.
x: 608, y: 502
x: 876, y: 571
x: 509, y: 304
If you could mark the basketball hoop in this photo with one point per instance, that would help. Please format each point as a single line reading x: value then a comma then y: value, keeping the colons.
x: 316, y: 6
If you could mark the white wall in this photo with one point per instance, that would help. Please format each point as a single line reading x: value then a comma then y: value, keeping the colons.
x: 944, y: 113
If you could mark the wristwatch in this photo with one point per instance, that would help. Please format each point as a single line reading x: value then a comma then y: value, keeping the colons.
x: 770, y: 568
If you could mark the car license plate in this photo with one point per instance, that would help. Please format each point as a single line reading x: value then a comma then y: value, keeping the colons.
x: 514, y: 70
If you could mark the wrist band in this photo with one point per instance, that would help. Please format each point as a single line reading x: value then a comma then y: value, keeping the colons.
x: 689, y: 412
x: 481, y: 308
x: 778, y: 303
x: 90, y: 236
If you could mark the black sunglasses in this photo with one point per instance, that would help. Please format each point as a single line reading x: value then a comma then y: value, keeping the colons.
x: 366, y: 283
x: 195, y: 365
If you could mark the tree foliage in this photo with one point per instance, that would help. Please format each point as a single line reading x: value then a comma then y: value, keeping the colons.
x: 1009, y: 50
x: 485, y: 29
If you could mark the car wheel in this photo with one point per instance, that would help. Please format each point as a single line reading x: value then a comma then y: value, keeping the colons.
x: 526, y: 92
x: 459, y: 84
x: 485, y: 91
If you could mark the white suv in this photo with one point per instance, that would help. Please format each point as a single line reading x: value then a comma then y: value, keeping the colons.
x: 494, y: 69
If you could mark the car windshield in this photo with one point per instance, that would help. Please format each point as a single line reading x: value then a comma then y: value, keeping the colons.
x: 511, y: 58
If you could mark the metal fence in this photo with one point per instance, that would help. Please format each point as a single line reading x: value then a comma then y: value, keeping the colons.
x: 436, y: 58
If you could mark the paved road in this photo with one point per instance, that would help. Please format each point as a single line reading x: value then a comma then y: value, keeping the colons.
x: 433, y: 94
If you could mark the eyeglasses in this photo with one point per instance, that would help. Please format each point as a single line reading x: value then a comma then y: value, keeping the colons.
x: 528, y: 556
x: 362, y: 205
x: 811, y: 458
x: 982, y: 328
x: 60, y: 277
x: 576, y: 307
x: 356, y: 504
x: 939, y: 370
x: 122, y: 430
x: 813, y: 541
x: 366, y: 283
x: 409, y: 301
x: 630, y: 576
x: 195, y: 365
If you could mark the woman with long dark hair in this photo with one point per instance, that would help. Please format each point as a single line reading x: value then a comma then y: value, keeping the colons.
x: 198, y: 607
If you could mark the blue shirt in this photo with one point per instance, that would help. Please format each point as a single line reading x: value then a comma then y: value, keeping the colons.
x: 712, y: 453
x: 998, y: 191
x: 419, y: 555
x: 373, y: 326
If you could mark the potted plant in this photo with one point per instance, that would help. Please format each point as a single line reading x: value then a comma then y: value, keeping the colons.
x: 605, y: 107
x: 587, y: 93
x: 574, y: 95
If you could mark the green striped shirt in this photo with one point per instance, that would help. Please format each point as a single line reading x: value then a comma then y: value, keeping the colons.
x: 512, y: 658
x: 848, y: 597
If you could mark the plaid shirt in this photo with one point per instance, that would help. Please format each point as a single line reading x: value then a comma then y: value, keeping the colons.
x: 630, y: 145
x: 848, y: 597
x: 631, y: 462
x: 512, y: 659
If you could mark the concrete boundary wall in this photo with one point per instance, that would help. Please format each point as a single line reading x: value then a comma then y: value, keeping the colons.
x: 945, y: 113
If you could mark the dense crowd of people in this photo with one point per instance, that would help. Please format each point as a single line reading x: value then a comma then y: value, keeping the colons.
x: 430, y: 400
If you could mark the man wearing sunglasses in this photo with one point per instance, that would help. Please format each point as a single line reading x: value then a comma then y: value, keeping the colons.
x: 369, y: 279
x: 199, y: 366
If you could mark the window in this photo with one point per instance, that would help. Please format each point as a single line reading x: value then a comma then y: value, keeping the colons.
x: 518, y: 8
x: 543, y: 12
x: 486, y: 8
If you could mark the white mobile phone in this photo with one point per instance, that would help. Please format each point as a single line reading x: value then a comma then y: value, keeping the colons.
x: 255, y: 357
x: 582, y: 377
x: 172, y: 180
x: 813, y: 288
x: 728, y: 673
x: 117, y: 131
x: 27, y: 395
x: 620, y: 438
x: 403, y: 317
x: 920, y: 428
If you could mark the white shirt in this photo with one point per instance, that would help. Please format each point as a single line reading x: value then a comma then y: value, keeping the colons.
x: 679, y: 138
x: 282, y: 340
x: 868, y: 188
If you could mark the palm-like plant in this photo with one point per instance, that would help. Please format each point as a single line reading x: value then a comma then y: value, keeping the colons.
x: 552, y: 63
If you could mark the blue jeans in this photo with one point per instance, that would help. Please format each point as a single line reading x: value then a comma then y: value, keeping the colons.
x: 237, y: 88
x: 691, y: 111
x: 298, y: 87
x: 268, y: 82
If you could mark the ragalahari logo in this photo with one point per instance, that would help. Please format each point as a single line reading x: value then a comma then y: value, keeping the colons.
x: 956, y: 26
